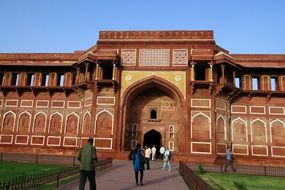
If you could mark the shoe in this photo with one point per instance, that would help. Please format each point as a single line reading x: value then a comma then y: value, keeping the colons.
x: 234, y: 171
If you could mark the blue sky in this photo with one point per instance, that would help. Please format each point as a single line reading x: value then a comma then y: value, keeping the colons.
x: 240, y: 26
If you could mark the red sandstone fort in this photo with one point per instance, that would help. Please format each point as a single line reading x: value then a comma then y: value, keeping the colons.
x: 173, y: 88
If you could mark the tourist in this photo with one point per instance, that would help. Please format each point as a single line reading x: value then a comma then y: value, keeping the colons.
x: 138, y: 163
x: 166, y: 159
x: 153, y: 152
x: 229, y: 159
x: 161, y: 151
x: 87, y: 157
x: 147, y: 156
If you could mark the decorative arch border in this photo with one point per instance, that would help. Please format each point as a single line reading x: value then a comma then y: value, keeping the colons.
x: 209, y: 119
x: 270, y: 125
x: 97, y: 115
x: 50, y: 120
x: 225, y: 126
x: 150, y: 80
x: 77, y: 125
x: 246, y: 133
x: 85, y: 114
x: 258, y: 119
x: 17, y: 128
x: 35, y: 116
x: 4, y: 120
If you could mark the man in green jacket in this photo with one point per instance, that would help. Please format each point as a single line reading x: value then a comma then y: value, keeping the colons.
x: 87, y: 157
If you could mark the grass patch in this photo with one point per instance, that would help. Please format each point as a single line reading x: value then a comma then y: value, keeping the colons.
x: 9, y: 170
x: 226, y: 181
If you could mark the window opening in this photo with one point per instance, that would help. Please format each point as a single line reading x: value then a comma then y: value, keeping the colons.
x: 153, y: 114
x: 15, y: 79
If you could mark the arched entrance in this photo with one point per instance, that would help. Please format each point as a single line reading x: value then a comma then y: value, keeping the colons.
x: 151, y: 138
x: 151, y: 107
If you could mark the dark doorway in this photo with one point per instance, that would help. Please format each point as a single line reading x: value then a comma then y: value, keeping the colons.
x: 151, y: 138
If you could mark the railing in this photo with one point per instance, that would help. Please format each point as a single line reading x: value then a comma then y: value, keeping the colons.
x: 44, y: 180
x: 192, y: 180
x: 242, y: 169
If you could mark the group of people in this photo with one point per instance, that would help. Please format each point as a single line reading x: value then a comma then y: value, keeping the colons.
x: 87, y: 157
x: 140, y: 158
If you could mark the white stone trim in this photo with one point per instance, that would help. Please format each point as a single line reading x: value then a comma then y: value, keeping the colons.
x: 108, y: 148
x: 270, y: 107
x: 11, y: 100
x: 54, y: 137
x: 41, y: 136
x: 2, y: 135
x: 273, y: 151
x: 265, y: 128
x: 259, y: 154
x: 102, y: 111
x: 208, y: 143
x: 257, y: 113
x: 106, y: 97
x: 246, y: 132
x: 54, y: 101
x: 197, y: 99
x: 238, y: 106
x: 37, y: 101
x: 241, y: 145
x: 21, y: 103
x: 76, y: 140
x: 68, y: 106
x: 77, y: 125
x: 209, y: 119
x: 26, y: 143
x: 270, y: 125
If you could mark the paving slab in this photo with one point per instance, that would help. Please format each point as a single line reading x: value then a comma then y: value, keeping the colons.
x: 121, y: 177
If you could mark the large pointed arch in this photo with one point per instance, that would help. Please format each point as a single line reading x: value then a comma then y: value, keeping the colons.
x: 149, y: 82
x: 140, y: 87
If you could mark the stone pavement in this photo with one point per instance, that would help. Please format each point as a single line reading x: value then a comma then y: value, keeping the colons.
x: 121, y: 177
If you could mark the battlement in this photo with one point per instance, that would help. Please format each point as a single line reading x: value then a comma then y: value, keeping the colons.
x: 162, y: 35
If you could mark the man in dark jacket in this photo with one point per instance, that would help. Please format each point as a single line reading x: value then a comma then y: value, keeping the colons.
x: 87, y: 157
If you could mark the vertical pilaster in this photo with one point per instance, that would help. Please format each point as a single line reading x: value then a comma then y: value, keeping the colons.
x: 192, y: 70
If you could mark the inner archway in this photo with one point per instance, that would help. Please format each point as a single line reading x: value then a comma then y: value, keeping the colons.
x: 151, y: 138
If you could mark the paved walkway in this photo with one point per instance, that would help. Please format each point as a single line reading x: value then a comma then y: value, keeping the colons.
x: 121, y: 177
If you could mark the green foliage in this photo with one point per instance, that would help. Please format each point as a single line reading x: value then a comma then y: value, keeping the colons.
x: 201, y: 169
x: 10, y: 170
x: 228, y: 181
x: 240, y: 185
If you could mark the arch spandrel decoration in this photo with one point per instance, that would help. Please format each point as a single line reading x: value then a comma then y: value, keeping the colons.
x: 161, y: 83
x: 277, y: 130
x: 72, y: 124
x: 8, y: 123
x: 200, y: 127
x: 104, y: 124
x: 55, y: 127
x: 40, y: 123
x: 221, y: 128
x: 86, y: 128
x: 258, y: 132
x: 239, y: 131
x: 24, y: 123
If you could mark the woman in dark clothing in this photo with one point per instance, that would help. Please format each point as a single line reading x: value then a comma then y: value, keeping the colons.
x: 138, y: 162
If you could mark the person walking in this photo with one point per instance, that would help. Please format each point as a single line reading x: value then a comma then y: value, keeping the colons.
x: 87, y: 157
x: 147, y: 156
x: 229, y: 159
x: 138, y: 163
x: 153, y: 152
x: 166, y: 159
x: 161, y: 151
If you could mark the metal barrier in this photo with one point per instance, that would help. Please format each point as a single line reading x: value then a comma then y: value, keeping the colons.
x: 192, y: 180
x: 50, y: 178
